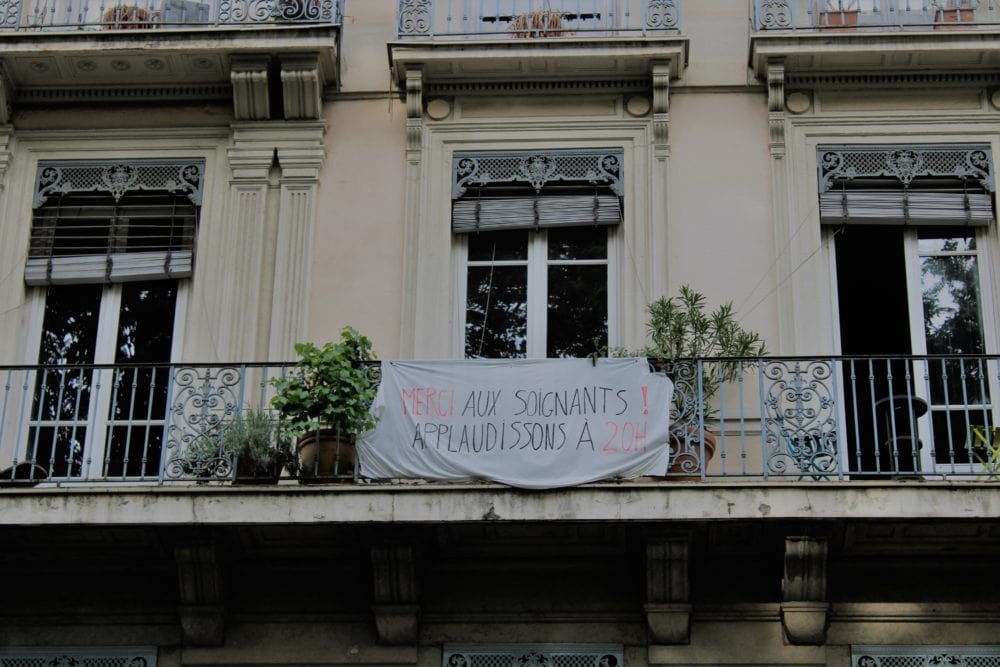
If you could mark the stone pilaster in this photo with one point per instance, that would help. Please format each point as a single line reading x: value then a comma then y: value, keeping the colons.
x: 412, y: 207
x: 780, y: 195
x: 274, y: 172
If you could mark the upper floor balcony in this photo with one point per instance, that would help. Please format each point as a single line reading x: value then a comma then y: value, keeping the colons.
x: 804, y: 420
x: 103, y: 51
x: 850, y: 36
x: 481, y: 40
x: 795, y: 438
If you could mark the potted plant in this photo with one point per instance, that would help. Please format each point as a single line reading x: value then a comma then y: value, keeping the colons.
x: 324, y: 402
x: 254, y: 440
x: 537, y: 23
x: 682, y: 333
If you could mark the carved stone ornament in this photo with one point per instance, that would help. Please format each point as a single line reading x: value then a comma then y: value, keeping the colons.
x: 905, y: 163
x: 804, y: 610
x: 537, y: 169
x: 119, y: 177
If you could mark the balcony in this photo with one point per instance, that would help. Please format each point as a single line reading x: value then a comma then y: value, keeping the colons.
x: 874, y: 36
x: 457, y: 40
x: 812, y: 421
x: 76, y: 51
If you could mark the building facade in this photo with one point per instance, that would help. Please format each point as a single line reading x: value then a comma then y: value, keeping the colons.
x: 190, y: 189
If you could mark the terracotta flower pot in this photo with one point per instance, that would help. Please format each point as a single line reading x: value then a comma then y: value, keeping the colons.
x: 325, y: 454
x: 686, y: 466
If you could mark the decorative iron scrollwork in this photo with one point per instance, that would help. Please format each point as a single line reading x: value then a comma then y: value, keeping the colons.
x: 800, y: 407
x: 905, y: 163
x: 536, y: 169
x: 202, y: 399
x: 414, y: 17
x: 661, y: 14
x: 774, y: 14
x: 119, y: 177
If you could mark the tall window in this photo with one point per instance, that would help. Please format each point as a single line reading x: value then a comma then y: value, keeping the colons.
x: 536, y: 231
x: 909, y: 227
x: 110, y: 244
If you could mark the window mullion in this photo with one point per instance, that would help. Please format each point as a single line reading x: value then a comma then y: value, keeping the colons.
x: 104, y: 380
x: 538, y: 294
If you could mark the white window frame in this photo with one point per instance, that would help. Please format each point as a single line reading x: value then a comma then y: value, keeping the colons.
x: 918, y: 342
x: 537, y: 263
x: 97, y: 412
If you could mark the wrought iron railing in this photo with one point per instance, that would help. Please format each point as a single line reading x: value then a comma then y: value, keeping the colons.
x: 60, y: 15
x: 534, y: 19
x: 863, y: 15
x: 797, y: 419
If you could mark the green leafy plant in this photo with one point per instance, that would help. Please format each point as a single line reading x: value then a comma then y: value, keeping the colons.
x: 258, y: 444
x: 682, y: 329
x: 986, y: 450
x: 330, y: 387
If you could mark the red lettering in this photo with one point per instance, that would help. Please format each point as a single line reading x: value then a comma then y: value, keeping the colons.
x: 608, y: 447
x: 428, y: 401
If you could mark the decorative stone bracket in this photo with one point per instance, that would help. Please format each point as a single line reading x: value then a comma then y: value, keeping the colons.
x: 804, y: 609
x: 397, y: 614
x: 668, y: 608
x: 661, y: 106
x: 202, y: 609
x: 776, y: 105
x: 300, y: 80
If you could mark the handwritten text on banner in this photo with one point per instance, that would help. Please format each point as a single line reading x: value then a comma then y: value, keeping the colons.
x: 527, y: 423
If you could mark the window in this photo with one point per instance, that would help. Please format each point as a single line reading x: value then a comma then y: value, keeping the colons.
x: 110, y: 245
x: 536, y: 233
x: 909, y: 224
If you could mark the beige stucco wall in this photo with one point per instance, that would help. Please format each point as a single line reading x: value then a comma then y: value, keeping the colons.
x: 357, y: 255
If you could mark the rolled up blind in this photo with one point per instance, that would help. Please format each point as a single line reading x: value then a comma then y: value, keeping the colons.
x: 906, y: 207
x: 92, y: 238
x: 471, y: 213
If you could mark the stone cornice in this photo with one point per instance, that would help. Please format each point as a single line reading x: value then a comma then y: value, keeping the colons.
x: 383, y: 503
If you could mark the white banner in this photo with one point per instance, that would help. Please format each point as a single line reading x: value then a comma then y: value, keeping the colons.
x: 528, y: 423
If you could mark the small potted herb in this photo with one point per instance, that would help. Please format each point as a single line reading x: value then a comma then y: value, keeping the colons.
x: 254, y: 440
x: 324, y: 402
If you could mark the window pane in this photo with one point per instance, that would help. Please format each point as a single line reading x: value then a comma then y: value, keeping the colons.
x: 950, y: 294
x: 496, y: 316
x: 578, y: 243
x: 145, y: 336
x: 498, y: 246
x: 932, y: 241
x: 577, y: 310
x: 146, y: 323
x: 69, y: 335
